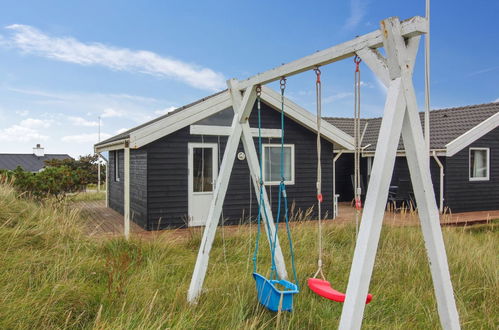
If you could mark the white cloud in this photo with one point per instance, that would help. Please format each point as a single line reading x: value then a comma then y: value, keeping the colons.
x: 85, y: 138
x: 357, y: 14
x: 121, y: 130
x: 25, y: 131
x: 492, y: 68
x: 165, y: 111
x: 22, y: 113
x: 382, y: 87
x: 337, y: 96
x: 366, y: 84
x: 17, y: 133
x: 497, y: 100
x: 133, y: 107
x: 79, y: 121
x: 36, y: 123
x: 110, y: 113
x: 67, y: 49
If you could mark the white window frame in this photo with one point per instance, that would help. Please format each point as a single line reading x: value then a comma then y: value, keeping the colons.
x: 116, y: 166
x: 276, y: 183
x: 191, y: 146
x: 487, y: 178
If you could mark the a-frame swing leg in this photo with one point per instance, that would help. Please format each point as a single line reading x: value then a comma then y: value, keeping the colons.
x: 254, y: 167
x: 242, y: 106
x: 401, y: 116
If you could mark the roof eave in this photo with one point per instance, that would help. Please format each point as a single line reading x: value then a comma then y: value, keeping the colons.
x: 113, y: 145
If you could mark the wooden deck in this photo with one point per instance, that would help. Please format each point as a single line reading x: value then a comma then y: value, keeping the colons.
x: 408, y: 218
x: 100, y: 220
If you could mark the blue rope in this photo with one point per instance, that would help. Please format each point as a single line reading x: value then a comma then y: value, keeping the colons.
x: 282, y: 199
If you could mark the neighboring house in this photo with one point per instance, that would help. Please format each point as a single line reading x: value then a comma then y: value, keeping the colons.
x: 465, y: 140
x: 174, y: 162
x: 29, y: 162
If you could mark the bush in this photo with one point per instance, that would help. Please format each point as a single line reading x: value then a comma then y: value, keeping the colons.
x: 86, y: 165
x: 51, y: 182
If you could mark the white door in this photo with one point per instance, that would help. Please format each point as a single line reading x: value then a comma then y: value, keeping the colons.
x: 203, y: 169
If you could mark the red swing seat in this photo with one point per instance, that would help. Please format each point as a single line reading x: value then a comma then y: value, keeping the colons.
x: 323, y: 288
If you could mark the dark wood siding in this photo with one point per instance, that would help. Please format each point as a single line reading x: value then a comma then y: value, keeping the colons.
x: 303, y: 193
x: 138, y: 187
x: 168, y: 175
x: 167, y: 180
x: 401, y: 172
x: 463, y: 195
x: 345, y: 168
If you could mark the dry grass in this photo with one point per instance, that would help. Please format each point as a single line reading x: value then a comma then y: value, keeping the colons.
x: 53, y: 276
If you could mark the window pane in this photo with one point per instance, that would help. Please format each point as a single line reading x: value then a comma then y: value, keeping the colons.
x: 273, y: 164
x: 478, y: 162
x: 116, y: 166
x: 202, y: 160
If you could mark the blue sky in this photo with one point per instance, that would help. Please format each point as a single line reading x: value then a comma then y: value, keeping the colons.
x: 64, y: 63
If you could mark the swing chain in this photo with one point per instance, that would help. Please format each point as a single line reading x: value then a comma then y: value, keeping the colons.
x: 258, y: 91
x: 318, y: 73
x: 282, y: 83
x: 357, y: 61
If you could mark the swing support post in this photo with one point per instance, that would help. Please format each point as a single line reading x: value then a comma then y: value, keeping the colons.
x: 401, y: 118
x: 240, y: 130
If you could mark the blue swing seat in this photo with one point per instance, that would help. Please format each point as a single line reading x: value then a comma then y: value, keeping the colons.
x: 269, y: 296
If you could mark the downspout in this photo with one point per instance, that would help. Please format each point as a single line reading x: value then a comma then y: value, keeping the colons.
x: 335, y: 206
x: 441, y: 207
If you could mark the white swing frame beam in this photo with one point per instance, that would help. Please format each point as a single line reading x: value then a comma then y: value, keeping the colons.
x: 401, y: 41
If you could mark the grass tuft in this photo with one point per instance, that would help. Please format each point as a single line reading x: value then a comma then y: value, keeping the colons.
x: 53, y: 276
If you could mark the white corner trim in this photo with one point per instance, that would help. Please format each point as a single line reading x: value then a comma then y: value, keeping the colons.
x: 307, y: 119
x: 186, y: 117
x: 472, y: 135
x: 226, y: 131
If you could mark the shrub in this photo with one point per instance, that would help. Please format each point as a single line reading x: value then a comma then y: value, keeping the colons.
x: 85, y: 165
x: 51, y: 182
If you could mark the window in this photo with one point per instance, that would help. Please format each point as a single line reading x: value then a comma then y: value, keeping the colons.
x: 479, y: 164
x: 116, y: 166
x: 202, y: 159
x: 272, y: 164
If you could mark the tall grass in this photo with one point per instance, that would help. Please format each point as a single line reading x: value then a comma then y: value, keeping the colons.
x: 53, y: 276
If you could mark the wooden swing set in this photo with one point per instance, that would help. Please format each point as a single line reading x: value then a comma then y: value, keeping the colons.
x: 395, y: 70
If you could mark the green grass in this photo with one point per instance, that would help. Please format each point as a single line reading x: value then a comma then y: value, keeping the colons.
x: 53, y: 276
x: 88, y: 196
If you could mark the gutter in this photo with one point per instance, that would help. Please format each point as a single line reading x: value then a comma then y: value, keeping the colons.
x: 335, y: 202
x: 114, y: 145
x: 441, y: 197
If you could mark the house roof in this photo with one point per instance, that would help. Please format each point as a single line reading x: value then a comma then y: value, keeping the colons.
x: 126, y: 134
x: 445, y: 124
x: 29, y: 162
x: 205, y: 107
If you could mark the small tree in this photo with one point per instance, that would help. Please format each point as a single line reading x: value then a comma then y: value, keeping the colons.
x: 51, y: 182
x: 87, y: 165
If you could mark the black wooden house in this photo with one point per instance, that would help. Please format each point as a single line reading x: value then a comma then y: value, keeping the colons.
x: 171, y: 163
x: 464, y: 157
